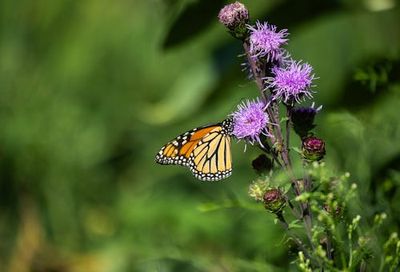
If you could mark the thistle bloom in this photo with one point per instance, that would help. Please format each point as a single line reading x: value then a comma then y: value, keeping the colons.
x: 291, y: 82
x: 250, y: 121
x: 266, y: 41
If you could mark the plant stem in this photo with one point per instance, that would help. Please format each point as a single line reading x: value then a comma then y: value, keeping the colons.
x: 268, y: 150
x: 253, y: 67
x: 273, y: 113
x: 288, y: 113
x: 294, y: 211
x: 297, y: 240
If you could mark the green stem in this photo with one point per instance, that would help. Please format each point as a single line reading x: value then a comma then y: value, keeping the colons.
x: 297, y: 240
x: 350, y: 249
x: 268, y: 150
x: 253, y: 66
x: 288, y: 116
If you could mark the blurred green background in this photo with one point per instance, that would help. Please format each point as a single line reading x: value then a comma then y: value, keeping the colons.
x: 90, y: 90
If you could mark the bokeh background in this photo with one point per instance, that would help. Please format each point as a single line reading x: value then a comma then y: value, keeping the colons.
x: 91, y: 89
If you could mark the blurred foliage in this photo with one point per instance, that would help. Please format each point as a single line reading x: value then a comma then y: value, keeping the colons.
x: 91, y: 89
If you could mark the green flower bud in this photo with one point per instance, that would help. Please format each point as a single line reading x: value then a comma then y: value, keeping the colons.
x: 274, y: 200
x: 257, y: 189
x: 300, y: 183
x: 313, y: 148
x: 335, y: 210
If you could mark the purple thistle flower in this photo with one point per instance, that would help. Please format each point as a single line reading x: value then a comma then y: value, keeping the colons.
x: 250, y: 121
x: 266, y: 42
x: 291, y: 82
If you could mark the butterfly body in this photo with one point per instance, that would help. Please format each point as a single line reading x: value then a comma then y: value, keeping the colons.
x: 205, y: 151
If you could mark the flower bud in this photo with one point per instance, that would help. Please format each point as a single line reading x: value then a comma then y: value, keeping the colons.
x: 335, y: 211
x: 257, y: 189
x: 303, y: 119
x: 235, y: 17
x: 300, y: 184
x: 262, y: 164
x: 274, y: 200
x: 313, y: 148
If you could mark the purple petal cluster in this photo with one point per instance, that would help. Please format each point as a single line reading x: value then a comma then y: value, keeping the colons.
x: 266, y: 41
x: 250, y: 121
x: 291, y: 82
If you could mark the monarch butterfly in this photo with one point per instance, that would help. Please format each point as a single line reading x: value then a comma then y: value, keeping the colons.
x: 206, y: 151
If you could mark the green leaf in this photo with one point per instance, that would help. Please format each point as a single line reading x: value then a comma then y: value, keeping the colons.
x: 296, y: 149
x: 295, y: 224
x: 284, y: 119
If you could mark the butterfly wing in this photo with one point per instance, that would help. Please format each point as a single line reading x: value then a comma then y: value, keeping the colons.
x: 211, y: 158
x: 205, y: 151
x: 178, y: 150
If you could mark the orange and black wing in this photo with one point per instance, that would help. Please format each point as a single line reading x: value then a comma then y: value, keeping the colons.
x: 211, y: 159
x: 206, y: 151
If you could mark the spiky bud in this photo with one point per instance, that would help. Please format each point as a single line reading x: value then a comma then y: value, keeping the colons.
x: 235, y: 16
x: 257, y: 189
x: 313, y: 148
x: 300, y: 184
x: 274, y: 200
x: 303, y: 119
x: 334, y: 210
